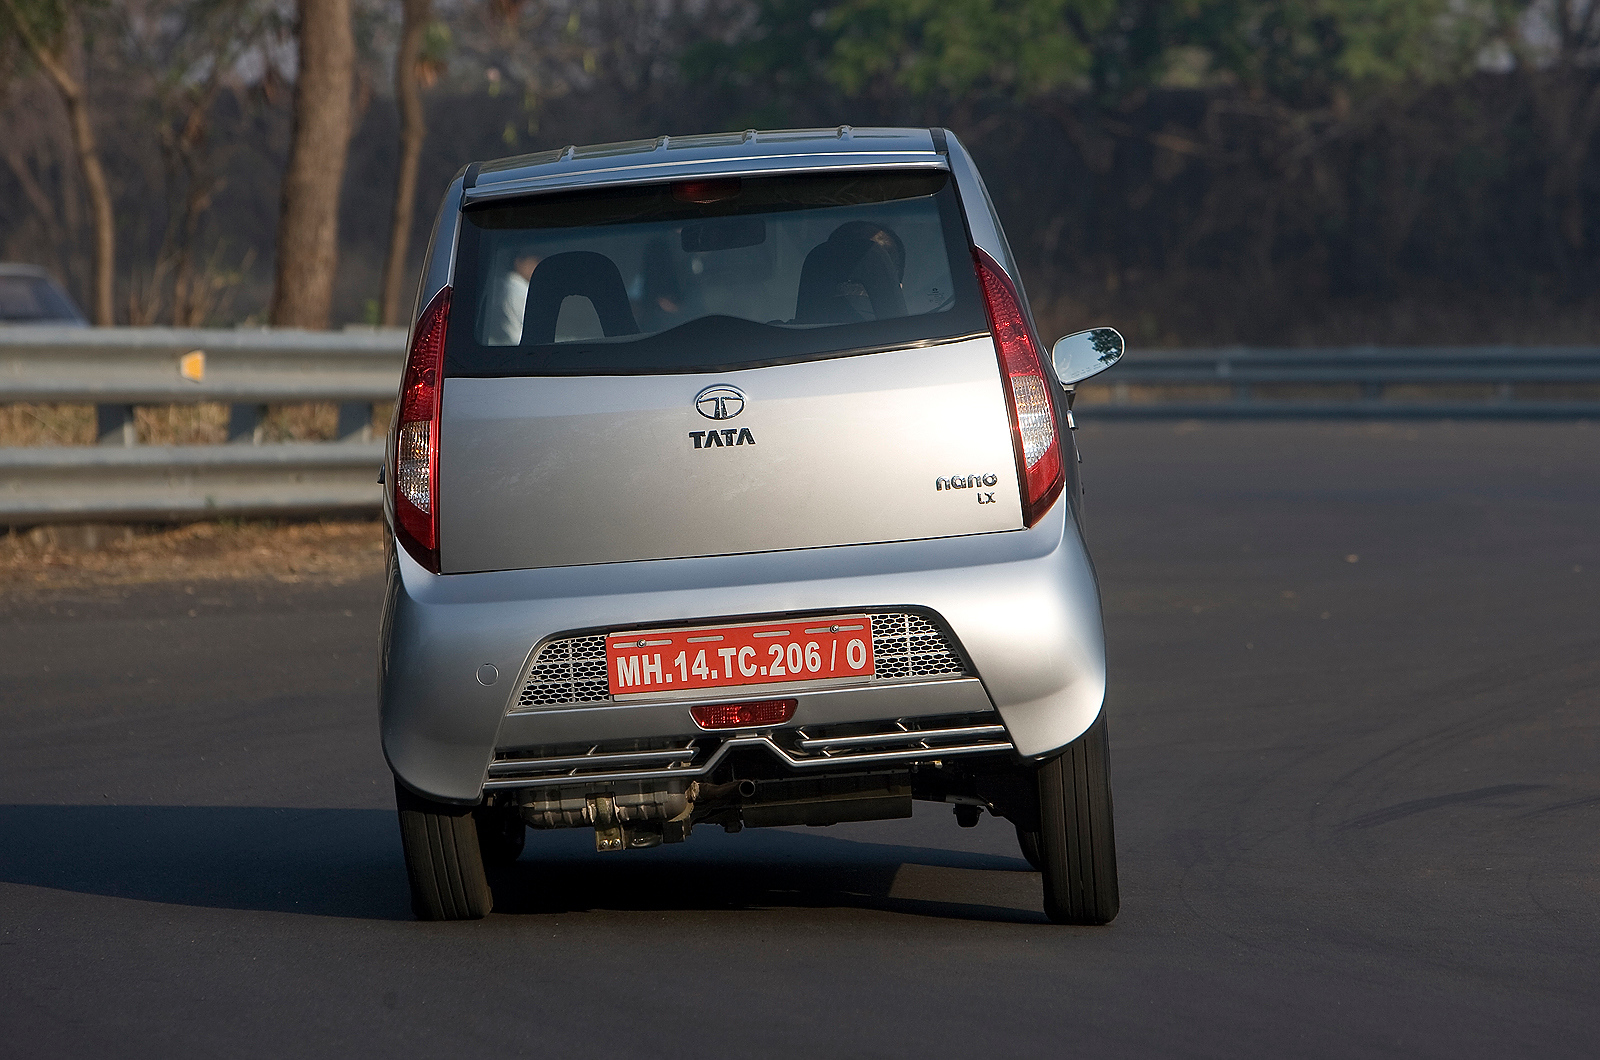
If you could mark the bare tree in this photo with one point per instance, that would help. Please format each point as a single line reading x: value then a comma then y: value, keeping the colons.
x: 308, y: 222
x: 189, y: 60
x: 56, y: 238
x: 413, y: 129
x: 1566, y: 94
x: 51, y: 32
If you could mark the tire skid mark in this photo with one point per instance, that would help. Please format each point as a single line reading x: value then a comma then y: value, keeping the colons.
x: 1414, y: 806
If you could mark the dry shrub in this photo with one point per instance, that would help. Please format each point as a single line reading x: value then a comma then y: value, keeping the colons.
x: 41, y: 425
x: 1557, y: 391
x: 1143, y: 394
x: 316, y: 422
x: 1421, y: 393
x: 204, y: 423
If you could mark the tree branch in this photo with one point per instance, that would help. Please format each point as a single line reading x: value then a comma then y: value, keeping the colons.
x: 66, y: 84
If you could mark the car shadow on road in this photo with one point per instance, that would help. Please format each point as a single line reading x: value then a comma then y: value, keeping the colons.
x: 347, y: 863
x: 343, y: 863
x: 765, y: 869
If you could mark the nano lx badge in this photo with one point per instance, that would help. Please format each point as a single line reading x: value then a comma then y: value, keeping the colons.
x: 967, y: 482
x: 964, y: 482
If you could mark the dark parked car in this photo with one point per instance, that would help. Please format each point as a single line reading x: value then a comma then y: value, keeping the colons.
x: 29, y: 296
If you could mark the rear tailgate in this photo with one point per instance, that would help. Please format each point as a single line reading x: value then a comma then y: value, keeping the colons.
x: 562, y: 470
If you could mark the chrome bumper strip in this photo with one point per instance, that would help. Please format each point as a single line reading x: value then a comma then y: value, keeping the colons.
x: 908, y: 736
x: 578, y: 761
x: 569, y: 769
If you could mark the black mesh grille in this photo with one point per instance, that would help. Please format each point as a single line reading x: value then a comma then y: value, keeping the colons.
x: 572, y: 672
x: 566, y: 673
x: 910, y: 646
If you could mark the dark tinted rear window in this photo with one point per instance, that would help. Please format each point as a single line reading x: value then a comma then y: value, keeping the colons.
x: 711, y: 274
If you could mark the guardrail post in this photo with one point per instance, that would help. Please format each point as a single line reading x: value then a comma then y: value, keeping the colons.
x: 245, y: 424
x: 355, y: 421
x: 1240, y: 391
x: 113, y: 425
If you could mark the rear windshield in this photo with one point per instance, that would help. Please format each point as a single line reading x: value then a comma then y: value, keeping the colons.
x: 711, y: 274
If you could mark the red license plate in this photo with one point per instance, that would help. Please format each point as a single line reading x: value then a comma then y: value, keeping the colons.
x: 757, y: 653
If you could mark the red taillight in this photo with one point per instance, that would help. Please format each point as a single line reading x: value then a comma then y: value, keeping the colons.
x: 744, y: 715
x: 416, y: 473
x: 1033, y: 414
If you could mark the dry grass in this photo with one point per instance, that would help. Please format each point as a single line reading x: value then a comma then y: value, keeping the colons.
x: 205, y: 423
x: 49, y: 559
x: 1098, y: 393
x: 32, y: 425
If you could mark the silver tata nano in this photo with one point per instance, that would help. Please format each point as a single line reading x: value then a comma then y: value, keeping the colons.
x: 729, y: 485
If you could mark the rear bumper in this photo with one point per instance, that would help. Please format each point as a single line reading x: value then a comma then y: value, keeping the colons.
x: 1023, y: 606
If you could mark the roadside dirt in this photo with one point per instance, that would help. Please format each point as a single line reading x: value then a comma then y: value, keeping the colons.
x: 46, y: 560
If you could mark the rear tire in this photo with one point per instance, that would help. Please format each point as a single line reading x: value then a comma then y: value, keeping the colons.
x: 444, y: 863
x: 1077, y: 849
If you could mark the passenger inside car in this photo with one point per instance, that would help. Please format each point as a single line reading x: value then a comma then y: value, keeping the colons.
x: 514, y: 297
x: 857, y: 274
x: 656, y: 291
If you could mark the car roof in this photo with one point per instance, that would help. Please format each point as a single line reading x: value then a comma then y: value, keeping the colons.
x: 14, y: 268
x: 715, y: 154
x: 59, y: 307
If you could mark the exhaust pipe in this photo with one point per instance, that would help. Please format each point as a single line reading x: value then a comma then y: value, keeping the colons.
x: 703, y: 794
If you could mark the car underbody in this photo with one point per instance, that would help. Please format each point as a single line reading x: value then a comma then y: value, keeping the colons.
x: 747, y: 786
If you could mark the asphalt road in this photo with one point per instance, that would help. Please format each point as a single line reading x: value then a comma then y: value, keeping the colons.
x: 1355, y: 692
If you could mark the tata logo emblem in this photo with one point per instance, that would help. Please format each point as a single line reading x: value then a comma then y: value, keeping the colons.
x: 719, y: 402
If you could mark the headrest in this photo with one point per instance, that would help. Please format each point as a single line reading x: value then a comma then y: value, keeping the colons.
x: 581, y: 273
x: 845, y: 267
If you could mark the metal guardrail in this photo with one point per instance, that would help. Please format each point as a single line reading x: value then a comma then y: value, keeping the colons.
x: 174, y: 483
x: 119, y: 368
x: 1256, y: 379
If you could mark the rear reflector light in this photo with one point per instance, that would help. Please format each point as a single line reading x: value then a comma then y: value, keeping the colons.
x: 1033, y: 417
x: 416, y: 478
x: 744, y: 715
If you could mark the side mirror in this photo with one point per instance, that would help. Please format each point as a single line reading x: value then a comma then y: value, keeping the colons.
x: 1077, y: 357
